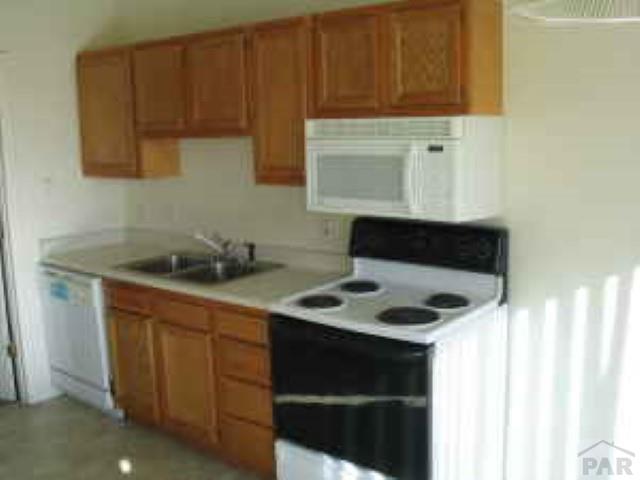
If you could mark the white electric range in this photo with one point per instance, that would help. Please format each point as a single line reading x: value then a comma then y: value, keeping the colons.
x: 398, y: 301
x: 398, y: 370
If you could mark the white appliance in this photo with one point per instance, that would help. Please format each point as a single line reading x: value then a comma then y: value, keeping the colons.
x: 424, y: 321
x: 432, y: 168
x: 579, y: 12
x: 74, y: 312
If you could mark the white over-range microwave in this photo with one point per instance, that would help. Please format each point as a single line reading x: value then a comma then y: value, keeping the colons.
x: 431, y: 168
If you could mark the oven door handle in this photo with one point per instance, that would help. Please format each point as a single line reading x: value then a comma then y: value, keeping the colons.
x: 286, y: 330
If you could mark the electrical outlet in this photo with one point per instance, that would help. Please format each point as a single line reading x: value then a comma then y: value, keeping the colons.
x: 330, y: 229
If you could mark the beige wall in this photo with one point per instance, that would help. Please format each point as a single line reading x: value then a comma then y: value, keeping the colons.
x: 46, y: 194
x: 571, y: 197
x: 217, y: 192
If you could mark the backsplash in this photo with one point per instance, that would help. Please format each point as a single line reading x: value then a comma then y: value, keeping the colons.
x: 217, y: 192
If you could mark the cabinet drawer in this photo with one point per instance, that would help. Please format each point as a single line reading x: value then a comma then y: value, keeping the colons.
x: 182, y: 314
x: 248, y: 445
x: 129, y: 299
x: 243, y: 327
x: 247, y: 401
x: 244, y: 361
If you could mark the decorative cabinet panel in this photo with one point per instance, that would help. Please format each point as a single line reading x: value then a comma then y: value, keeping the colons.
x: 279, y: 66
x: 187, y: 381
x: 110, y: 147
x: 347, y: 63
x: 135, y: 366
x: 218, y: 90
x: 418, y: 57
x: 425, y: 56
x: 159, y: 87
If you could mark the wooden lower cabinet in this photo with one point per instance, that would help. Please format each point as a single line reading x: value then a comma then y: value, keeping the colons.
x: 244, y: 400
x: 196, y: 369
x: 187, y: 382
x: 249, y: 445
x: 135, y: 365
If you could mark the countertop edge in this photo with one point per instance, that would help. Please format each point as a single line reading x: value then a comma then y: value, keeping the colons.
x: 191, y: 289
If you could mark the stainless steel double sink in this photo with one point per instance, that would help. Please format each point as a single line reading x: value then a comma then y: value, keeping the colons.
x: 198, y: 268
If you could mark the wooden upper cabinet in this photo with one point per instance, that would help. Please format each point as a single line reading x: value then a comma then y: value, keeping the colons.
x: 159, y: 87
x: 424, y: 53
x: 279, y: 59
x: 218, y: 100
x: 347, y: 63
x: 110, y: 147
x: 416, y: 57
x: 106, y: 114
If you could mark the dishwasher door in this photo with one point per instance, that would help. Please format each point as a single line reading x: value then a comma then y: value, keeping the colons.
x: 351, y: 397
x: 75, y: 323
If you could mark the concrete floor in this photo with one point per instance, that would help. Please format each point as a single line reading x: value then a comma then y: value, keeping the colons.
x: 64, y: 440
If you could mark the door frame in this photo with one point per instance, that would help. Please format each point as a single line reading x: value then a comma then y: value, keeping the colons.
x: 7, y: 154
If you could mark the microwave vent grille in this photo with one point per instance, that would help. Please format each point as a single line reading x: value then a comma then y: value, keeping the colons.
x: 419, y: 128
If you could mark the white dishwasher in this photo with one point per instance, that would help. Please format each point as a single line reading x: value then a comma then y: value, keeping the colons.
x: 74, y: 312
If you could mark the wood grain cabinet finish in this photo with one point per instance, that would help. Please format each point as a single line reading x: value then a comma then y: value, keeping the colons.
x: 198, y: 369
x: 249, y: 445
x: 417, y: 57
x: 110, y: 146
x: 187, y: 381
x: 249, y: 327
x: 218, y: 93
x: 279, y: 60
x: 159, y: 87
x: 244, y: 361
x: 246, y: 401
x: 135, y: 363
x: 347, y: 63
x: 424, y: 53
x: 106, y: 114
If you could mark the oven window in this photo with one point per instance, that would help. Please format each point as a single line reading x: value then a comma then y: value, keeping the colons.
x: 362, y: 177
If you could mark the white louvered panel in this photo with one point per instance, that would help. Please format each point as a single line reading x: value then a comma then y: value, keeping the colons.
x: 391, y: 128
x: 469, y: 395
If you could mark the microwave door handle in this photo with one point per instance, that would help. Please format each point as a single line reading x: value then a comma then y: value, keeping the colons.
x: 411, y: 173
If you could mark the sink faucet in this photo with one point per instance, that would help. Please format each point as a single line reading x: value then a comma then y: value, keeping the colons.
x: 243, y: 252
x: 215, y: 242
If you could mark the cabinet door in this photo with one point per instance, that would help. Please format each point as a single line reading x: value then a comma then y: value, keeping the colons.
x: 424, y: 54
x: 217, y: 75
x: 347, y: 63
x: 159, y: 87
x: 249, y: 445
x: 279, y: 66
x: 106, y: 114
x: 186, y: 365
x: 136, y: 388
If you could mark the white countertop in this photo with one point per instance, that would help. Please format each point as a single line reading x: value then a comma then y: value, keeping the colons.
x: 257, y: 291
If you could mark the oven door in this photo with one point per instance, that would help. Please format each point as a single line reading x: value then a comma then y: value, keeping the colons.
x: 360, y: 176
x: 357, y: 398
